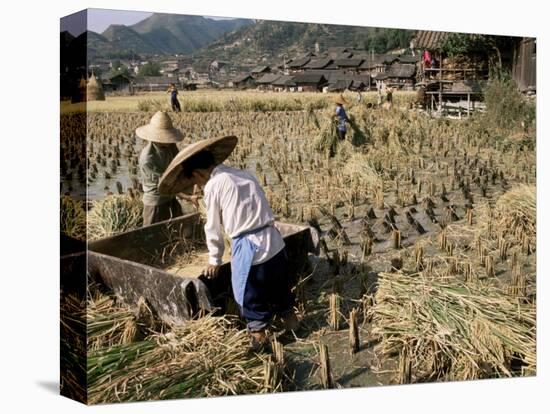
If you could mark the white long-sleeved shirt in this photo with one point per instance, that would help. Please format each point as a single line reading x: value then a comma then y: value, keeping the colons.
x: 235, y: 201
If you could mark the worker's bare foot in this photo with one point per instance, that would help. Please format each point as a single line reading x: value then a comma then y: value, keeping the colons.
x: 258, y: 341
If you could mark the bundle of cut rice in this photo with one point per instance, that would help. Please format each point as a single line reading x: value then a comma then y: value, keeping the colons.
x: 449, y: 330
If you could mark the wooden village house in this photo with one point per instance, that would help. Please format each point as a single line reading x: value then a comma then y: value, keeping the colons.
x: 265, y: 83
x: 245, y: 81
x: 309, y: 82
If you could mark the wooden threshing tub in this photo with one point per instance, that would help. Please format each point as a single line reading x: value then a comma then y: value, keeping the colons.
x: 132, y: 265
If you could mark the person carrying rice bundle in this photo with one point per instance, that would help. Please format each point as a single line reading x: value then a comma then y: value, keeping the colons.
x: 157, y: 154
x: 237, y: 205
x: 341, y: 117
x: 174, y: 102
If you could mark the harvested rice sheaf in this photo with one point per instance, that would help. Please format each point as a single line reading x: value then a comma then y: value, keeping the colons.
x: 518, y: 210
x: 205, y: 357
x: 73, y: 218
x: 452, y: 330
x: 114, y: 214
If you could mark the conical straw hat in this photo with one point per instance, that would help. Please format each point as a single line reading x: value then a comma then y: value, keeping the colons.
x: 173, y: 181
x: 340, y: 100
x: 160, y: 129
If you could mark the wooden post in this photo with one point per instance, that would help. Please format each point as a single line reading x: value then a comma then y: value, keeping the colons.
x: 324, y: 362
x: 468, y: 104
x: 440, y: 84
x: 353, y: 332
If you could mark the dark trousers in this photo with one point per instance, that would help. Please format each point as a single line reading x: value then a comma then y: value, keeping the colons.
x: 341, y: 135
x: 154, y: 214
x: 267, y: 292
x: 176, y: 105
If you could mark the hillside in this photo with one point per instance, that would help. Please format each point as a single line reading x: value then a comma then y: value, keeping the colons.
x: 161, y: 34
x: 271, y: 40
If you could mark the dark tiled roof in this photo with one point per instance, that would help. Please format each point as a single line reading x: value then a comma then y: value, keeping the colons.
x: 268, y: 78
x: 372, y: 61
x: 337, y: 49
x: 408, y: 59
x: 331, y: 66
x: 336, y: 76
x: 401, y: 70
x: 318, y: 63
x: 311, y: 78
x: 343, y: 55
x: 349, y: 63
x: 340, y: 85
x: 241, y: 78
x: 298, y: 63
x: 154, y: 80
x: 427, y: 39
x: 284, y: 80
x: 110, y: 76
x: 260, y: 69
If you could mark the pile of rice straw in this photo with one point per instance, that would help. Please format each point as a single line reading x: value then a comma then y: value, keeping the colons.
x: 449, y: 330
x: 518, y: 210
x: 73, y: 218
x: 114, y: 214
x: 205, y: 357
x: 359, y: 167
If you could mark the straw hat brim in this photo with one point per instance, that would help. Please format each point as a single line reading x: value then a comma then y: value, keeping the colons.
x: 340, y: 100
x: 173, y: 181
x: 163, y: 136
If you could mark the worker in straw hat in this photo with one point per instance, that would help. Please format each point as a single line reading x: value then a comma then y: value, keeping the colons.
x: 341, y: 117
x: 173, y: 91
x: 237, y: 205
x: 160, y: 149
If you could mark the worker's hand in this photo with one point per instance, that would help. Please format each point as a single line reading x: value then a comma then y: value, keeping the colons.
x: 211, y: 271
x: 193, y: 199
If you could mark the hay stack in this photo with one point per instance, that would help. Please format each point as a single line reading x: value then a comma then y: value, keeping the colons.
x: 518, y: 210
x: 452, y: 330
x: 94, y: 90
x: 204, y: 357
x: 79, y: 92
x: 114, y: 214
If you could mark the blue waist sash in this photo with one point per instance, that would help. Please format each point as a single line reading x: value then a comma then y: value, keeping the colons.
x: 242, y: 255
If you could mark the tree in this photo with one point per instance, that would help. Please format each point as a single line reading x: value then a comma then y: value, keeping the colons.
x: 150, y: 69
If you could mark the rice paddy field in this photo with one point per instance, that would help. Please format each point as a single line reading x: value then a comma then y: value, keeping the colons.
x: 427, y: 270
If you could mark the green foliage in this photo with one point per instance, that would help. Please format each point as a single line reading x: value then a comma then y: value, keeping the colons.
x: 150, y: 69
x: 457, y: 44
x: 506, y: 106
x: 382, y: 40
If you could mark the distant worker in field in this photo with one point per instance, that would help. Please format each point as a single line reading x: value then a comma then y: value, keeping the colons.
x: 173, y: 91
x: 237, y: 206
x: 155, y: 157
x: 378, y: 96
x: 389, y: 98
x: 341, y: 117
